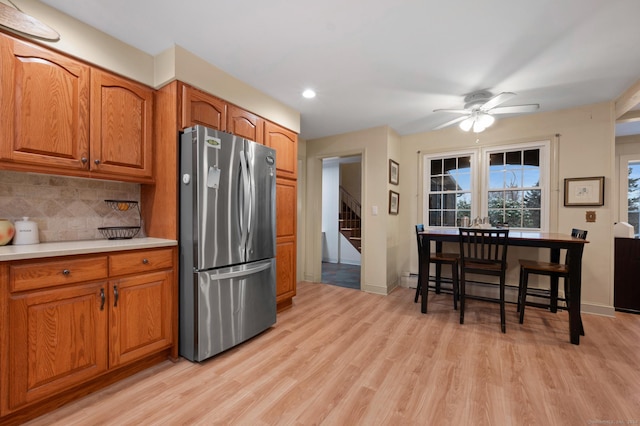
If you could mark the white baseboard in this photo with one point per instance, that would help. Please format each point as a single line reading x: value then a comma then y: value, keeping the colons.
x: 602, y: 310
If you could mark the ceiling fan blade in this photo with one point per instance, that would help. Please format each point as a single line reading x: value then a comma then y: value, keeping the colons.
x: 496, y: 100
x: 454, y: 121
x: 515, y: 109
x: 455, y: 111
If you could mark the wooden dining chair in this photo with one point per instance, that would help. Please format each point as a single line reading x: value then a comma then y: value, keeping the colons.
x: 438, y: 259
x: 553, y: 270
x: 483, y: 252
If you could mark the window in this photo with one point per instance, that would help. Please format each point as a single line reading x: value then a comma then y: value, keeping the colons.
x: 633, y: 196
x: 514, y: 186
x: 630, y: 191
x: 449, y: 183
x: 510, y: 186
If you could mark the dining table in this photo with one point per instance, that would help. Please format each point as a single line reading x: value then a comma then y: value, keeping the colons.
x: 553, y: 241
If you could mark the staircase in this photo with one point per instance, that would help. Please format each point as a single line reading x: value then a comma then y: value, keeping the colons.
x: 349, y: 219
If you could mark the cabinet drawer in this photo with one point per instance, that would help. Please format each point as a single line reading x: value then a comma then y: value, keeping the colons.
x: 140, y: 261
x: 40, y: 274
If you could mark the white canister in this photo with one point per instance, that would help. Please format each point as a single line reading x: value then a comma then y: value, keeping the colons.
x: 26, y: 232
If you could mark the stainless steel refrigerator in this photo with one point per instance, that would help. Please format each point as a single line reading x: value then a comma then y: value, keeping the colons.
x: 227, y: 241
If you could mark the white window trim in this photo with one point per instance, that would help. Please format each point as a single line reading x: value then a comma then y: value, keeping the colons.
x: 545, y: 177
x: 624, y: 183
x: 426, y: 183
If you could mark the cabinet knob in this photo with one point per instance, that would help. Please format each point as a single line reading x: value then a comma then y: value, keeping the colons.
x: 84, y: 160
x: 66, y: 272
x: 96, y: 161
x: 145, y: 261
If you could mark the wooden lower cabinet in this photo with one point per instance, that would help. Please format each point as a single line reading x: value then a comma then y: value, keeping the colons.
x: 70, y: 332
x: 626, y: 290
x: 139, y: 323
x: 285, y: 273
x: 58, y: 339
x: 286, y: 213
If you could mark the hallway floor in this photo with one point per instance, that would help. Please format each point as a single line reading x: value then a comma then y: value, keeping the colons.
x: 341, y: 274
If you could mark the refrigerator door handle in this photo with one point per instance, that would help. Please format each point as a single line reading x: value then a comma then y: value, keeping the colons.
x: 249, y: 270
x: 252, y: 204
x: 245, y: 212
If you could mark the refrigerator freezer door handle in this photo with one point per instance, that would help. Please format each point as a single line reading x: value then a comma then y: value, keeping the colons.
x: 253, y: 269
x: 252, y: 206
x: 245, y: 199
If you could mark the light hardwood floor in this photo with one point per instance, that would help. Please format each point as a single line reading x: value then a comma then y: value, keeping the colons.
x: 345, y: 357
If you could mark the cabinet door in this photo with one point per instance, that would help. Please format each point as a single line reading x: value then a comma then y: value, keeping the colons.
x: 285, y: 272
x: 140, y: 321
x: 121, y: 126
x: 202, y: 108
x: 626, y: 291
x: 58, y: 339
x: 285, y: 142
x: 245, y: 124
x: 44, y: 107
x: 286, y: 205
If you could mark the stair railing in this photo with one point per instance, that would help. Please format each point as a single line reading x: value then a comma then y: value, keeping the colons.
x: 349, y: 219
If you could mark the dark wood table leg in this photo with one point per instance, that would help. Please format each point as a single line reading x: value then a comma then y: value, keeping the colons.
x: 553, y: 285
x: 575, y: 286
x: 424, y: 279
x: 438, y: 266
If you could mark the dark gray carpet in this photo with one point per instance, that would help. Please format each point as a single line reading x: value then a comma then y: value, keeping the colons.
x: 341, y: 274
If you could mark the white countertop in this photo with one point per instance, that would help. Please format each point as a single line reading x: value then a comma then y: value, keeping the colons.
x: 64, y: 248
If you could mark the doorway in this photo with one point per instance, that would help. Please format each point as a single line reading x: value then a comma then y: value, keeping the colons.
x: 341, y: 221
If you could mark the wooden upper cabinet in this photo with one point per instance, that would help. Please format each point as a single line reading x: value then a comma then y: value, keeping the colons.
x: 121, y: 126
x: 245, y: 124
x: 202, y: 108
x: 285, y: 142
x: 44, y: 105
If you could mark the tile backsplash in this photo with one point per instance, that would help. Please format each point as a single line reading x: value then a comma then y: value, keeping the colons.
x: 66, y: 208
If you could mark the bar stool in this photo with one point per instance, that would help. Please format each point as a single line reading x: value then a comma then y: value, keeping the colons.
x: 553, y: 270
x: 439, y: 259
x: 483, y: 251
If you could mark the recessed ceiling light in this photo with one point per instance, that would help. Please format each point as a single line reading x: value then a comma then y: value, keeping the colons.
x: 309, y: 93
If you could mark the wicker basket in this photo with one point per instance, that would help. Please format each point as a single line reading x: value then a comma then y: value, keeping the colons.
x: 119, y: 232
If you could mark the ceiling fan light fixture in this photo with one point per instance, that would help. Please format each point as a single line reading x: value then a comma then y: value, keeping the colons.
x: 478, y: 127
x: 486, y: 120
x: 467, y: 124
x: 479, y: 109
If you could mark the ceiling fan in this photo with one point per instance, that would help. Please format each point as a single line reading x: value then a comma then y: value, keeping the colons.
x: 479, y: 110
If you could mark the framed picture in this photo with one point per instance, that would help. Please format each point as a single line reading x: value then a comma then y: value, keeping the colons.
x: 394, y: 172
x: 394, y: 202
x: 588, y: 191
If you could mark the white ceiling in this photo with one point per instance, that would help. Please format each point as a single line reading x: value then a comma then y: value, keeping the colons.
x: 392, y: 62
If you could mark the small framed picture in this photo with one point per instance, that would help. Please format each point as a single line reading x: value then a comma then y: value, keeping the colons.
x: 588, y: 191
x: 394, y: 202
x: 394, y: 172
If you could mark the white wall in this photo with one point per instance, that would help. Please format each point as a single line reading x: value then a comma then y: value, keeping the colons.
x: 330, y: 201
x: 583, y: 145
x: 348, y: 253
x: 372, y: 144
